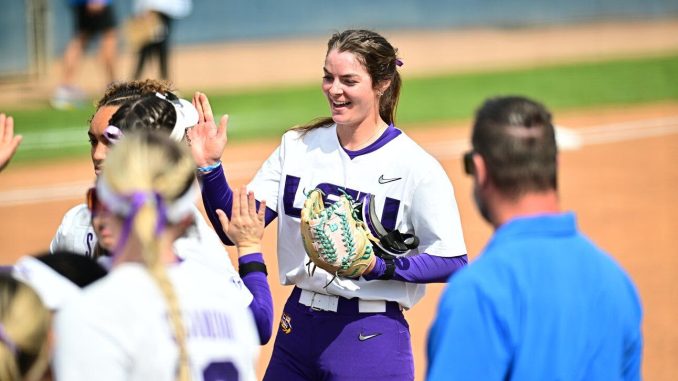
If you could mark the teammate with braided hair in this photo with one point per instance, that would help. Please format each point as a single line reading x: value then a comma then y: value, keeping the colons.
x: 75, y: 233
x: 154, y: 317
x: 347, y: 325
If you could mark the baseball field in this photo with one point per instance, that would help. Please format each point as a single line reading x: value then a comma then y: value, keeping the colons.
x: 616, y: 165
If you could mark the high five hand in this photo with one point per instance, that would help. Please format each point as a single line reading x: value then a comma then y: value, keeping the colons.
x: 8, y: 142
x: 207, y: 141
x: 246, y: 227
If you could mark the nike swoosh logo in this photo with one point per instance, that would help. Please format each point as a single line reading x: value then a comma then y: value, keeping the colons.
x: 382, y: 180
x: 367, y: 337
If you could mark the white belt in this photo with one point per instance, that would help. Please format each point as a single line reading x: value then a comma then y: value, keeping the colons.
x: 322, y: 302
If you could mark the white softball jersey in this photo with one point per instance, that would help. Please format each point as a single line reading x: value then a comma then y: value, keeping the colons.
x: 412, y: 194
x: 75, y: 233
x: 118, y: 328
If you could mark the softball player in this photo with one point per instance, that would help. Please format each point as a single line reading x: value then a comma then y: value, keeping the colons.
x: 347, y: 329
x: 170, y: 114
x: 153, y: 317
x: 75, y: 233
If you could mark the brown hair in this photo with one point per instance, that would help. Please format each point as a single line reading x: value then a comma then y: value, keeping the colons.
x: 118, y: 93
x: 146, y: 112
x: 380, y: 60
x: 516, y: 138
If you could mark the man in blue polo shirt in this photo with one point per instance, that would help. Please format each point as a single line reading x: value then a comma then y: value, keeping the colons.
x: 541, y: 302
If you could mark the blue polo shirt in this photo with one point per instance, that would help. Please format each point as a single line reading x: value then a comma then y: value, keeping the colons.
x: 540, y: 303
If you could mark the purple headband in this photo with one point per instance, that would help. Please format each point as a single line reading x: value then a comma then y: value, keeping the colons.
x: 137, y: 200
x: 4, y: 338
x: 399, y: 62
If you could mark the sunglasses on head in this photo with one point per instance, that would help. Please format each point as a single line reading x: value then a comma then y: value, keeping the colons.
x: 469, y: 167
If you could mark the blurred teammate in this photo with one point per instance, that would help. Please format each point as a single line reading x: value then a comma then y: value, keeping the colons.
x: 153, y: 317
x: 24, y: 329
x: 167, y: 11
x: 75, y: 232
x: 162, y: 111
x: 91, y: 17
x: 347, y: 329
x: 8, y: 141
x: 541, y: 302
x: 57, y: 278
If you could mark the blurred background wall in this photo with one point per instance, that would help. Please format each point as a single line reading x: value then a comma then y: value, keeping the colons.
x: 32, y: 32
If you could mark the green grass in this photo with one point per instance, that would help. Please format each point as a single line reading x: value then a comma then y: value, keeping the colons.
x: 268, y: 112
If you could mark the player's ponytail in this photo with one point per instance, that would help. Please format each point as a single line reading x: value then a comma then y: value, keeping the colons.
x: 151, y: 176
x: 24, y: 328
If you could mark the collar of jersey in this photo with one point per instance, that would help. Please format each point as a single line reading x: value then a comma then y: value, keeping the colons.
x: 389, y: 134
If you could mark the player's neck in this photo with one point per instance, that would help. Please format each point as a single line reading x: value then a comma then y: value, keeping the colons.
x: 530, y: 204
x: 356, y: 138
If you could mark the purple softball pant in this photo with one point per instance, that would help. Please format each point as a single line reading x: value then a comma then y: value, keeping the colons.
x: 342, y: 345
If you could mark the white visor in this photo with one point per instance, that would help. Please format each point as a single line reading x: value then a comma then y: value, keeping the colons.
x: 187, y: 116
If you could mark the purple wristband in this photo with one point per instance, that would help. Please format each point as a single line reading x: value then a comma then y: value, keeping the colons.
x: 254, y: 257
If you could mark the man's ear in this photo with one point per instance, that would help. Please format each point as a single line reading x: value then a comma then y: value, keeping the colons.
x: 480, y: 170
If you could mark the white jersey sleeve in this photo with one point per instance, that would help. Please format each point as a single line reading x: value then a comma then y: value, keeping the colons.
x: 75, y: 234
x: 266, y: 183
x: 435, y: 215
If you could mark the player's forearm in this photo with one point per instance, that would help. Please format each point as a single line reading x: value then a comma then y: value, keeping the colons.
x: 262, y: 302
x: 217, y: 194
x: 422, y: 268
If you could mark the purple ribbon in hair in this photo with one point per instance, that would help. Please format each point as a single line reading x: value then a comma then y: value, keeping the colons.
x: 138, y: 199
x: 399, y: 62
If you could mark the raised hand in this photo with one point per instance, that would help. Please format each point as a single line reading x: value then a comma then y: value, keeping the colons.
x: 246, y: 226
x: 8, y: 142
x: 206, y: 139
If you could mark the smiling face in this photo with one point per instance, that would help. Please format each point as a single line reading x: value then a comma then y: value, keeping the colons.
x: 98, y: 142
x: 348, y: 87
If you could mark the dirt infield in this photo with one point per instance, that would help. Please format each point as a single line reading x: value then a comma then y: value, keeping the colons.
x: 623, y: 192
x: 622, y: 183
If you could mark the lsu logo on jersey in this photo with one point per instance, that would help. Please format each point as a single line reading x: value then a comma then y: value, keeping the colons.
x: 286, y: 323
x: 389, y: 213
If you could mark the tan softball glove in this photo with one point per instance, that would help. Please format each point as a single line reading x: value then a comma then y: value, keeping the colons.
x: 334, y: 238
